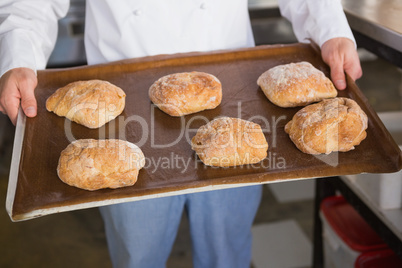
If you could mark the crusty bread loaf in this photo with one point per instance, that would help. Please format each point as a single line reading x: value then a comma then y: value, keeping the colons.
x: 230, y: 141
x: 185, y: 93
x: 90, y: 103
x: 95, y: 164
x: 295, y: 84
x: 331, y: 125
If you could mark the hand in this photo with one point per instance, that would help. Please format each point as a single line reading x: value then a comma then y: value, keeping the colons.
x: 341, y: 56
x: 17, y: 85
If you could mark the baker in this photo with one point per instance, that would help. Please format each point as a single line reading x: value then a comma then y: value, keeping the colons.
x: 141, y: 234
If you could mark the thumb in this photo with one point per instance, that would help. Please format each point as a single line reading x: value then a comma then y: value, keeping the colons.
x: 28, y: 101
x: 338, y: 76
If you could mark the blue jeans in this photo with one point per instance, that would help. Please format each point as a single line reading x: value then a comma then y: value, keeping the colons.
x: 141, y: 234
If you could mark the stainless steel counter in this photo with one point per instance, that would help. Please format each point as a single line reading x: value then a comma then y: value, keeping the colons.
x: 262, y: 4
x: 376, y: 24
x: 380, y: 20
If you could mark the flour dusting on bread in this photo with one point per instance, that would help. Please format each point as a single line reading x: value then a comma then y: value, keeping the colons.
x: 337, y: 124
x: 228, y: 141
x: 96, y: 164
x: 91, y: 103
x: 295, y: 84
x: 179, y: 94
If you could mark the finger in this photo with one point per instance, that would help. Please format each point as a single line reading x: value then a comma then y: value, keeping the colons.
x: 11, y: 106
x: 354, y: 70
x: 28, y: 101
x: 338, y: 76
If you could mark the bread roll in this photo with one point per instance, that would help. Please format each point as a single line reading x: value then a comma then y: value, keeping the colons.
x: 95, y: 164
x: 295, y: 84
x: 90, y: 103
x: 331, y: 125
x: 185, y: 93
x: 230, y: 142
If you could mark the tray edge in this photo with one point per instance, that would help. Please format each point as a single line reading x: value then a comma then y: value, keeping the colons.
x: 15, y: 162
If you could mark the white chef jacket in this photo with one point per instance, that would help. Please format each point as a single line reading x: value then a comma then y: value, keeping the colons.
x: 120, y: 29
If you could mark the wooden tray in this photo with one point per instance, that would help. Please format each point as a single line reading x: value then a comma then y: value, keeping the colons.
x: 172, y: 167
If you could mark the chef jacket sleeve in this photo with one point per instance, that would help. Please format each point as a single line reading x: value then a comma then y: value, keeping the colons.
x: 318, y: 20
x: 28, y: 32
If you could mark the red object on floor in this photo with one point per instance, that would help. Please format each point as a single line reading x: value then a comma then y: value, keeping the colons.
x: 378, y: 259
x: 350, y: 226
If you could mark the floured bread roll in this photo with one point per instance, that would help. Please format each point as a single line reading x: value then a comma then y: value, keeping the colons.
x: 90, y: 103
x: 230, y: 141
x: 331, y: 125
x: 185, y: 93
x: 296, y: 84
x: 95, y: 164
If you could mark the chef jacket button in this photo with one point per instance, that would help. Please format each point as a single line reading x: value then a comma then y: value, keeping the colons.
x: 137, y: 12
x: 203, y: 6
